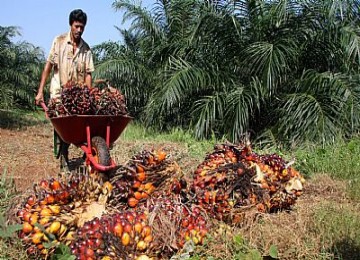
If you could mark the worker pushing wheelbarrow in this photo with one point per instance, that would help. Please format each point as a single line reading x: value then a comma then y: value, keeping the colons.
x: 71, y: 60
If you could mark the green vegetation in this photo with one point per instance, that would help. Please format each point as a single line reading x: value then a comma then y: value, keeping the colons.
x: 10, y: 246
x: 339, y: 227
x: 286, y: 71
x: 16, y: 118
x: 21, y: 65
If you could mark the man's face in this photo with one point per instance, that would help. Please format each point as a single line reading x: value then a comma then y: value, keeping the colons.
x: 77, y: 29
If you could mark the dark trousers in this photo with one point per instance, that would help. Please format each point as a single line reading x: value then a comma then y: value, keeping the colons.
x: 63, y: 148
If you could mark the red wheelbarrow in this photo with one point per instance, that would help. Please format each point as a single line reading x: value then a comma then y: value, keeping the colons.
x: 93, y: 134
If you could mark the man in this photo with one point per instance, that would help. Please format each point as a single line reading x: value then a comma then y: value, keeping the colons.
x: 70, y: 59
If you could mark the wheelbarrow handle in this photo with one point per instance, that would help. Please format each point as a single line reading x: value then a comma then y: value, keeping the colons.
x: 43, y: 105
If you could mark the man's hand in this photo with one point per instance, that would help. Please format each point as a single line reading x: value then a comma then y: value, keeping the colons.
x: 39, y: 98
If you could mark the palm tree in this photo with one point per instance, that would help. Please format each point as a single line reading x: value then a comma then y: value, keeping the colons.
x: 283, y: 70
x: 21, y: 69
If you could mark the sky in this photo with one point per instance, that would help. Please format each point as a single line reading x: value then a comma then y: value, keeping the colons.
x: 41, y: 20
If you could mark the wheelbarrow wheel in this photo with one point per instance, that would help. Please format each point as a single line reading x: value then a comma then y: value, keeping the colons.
x: 100, y: 151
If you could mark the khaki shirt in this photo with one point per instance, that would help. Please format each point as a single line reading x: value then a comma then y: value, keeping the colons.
x: 68, y: 66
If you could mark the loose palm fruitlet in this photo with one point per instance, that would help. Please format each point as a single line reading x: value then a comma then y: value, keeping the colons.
x: 80, y: 100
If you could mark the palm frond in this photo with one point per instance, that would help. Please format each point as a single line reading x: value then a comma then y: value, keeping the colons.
x: 314, y: 111
x: 208, y: 114
x: 141, y: 19
x: 181, y: 77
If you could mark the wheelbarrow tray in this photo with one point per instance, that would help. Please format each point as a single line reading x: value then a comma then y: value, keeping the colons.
x: 72, y: 129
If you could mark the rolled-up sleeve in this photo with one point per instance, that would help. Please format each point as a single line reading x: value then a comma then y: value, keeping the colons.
x: 53, y: 57
x: 89, y: 62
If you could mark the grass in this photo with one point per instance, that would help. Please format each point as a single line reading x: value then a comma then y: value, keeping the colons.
x: 17, y: 119
x: 338, y: 227
x: 197, y: 149
x: 10, y: 245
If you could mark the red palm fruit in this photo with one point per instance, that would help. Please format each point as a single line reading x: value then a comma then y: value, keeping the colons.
x: 45, y: 212
x: 128, y: 228
x: 136, y: 184
x: 132, y: 202
x: 130, y: 216
x: 44, y: 221
x: 55, y: 185
x: 138, y: 195
x: 161, y: 155
x: 146, y: 231
x: 31, y: 250
x: 184, y: 223
x: 141, y: 217
x: 118, y: 229
x: 144, y: 195
x: 138, y: 227
x: 149, y: 187
x: 98, y: 242
x: 37, y: 237
x: 27, y: 228
x: 44, y: 184
x: 141, y: 176
x: 125, y: 239
x: 31, y: 200
x: 141, y: 245
x: 20, y: 213
x: 148, y: 239
x: 34, y: 218
x: 64, y: 195
x: 139, y: 168
x: 27, y: 216
x: 89, y: 253
x: 49, y: 198
x: 150, y: 160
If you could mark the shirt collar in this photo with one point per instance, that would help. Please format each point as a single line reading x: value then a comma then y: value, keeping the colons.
x: 68, y: 40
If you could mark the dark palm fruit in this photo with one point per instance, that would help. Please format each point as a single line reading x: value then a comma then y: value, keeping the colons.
x: 80, y: 100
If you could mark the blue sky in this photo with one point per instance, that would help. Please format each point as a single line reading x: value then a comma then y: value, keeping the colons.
x: 41, y: 20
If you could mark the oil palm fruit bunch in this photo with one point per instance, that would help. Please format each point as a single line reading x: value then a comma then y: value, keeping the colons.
x: 124, y: 235
x: 109, y: 101
x: 140, y: 177
x: 78, y: 99
x: 219, y: 188
x: 56, y: 207
x: 233, y: 177
x: 56, y: 108
x: 174, y: 222
x: 282, y: 183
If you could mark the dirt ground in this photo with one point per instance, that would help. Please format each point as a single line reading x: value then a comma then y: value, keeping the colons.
x: 26, y: 154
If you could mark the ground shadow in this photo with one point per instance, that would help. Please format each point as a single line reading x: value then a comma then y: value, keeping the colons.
x: 346, y: 249
x: 16, y: 120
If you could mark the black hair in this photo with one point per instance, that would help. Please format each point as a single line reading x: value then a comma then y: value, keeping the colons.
x: 77, y: 15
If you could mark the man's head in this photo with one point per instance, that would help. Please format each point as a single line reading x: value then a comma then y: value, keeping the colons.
x: 77, y: 21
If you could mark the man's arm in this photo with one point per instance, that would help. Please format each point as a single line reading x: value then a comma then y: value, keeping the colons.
x: 45, y: 74
x: 88, y: 80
